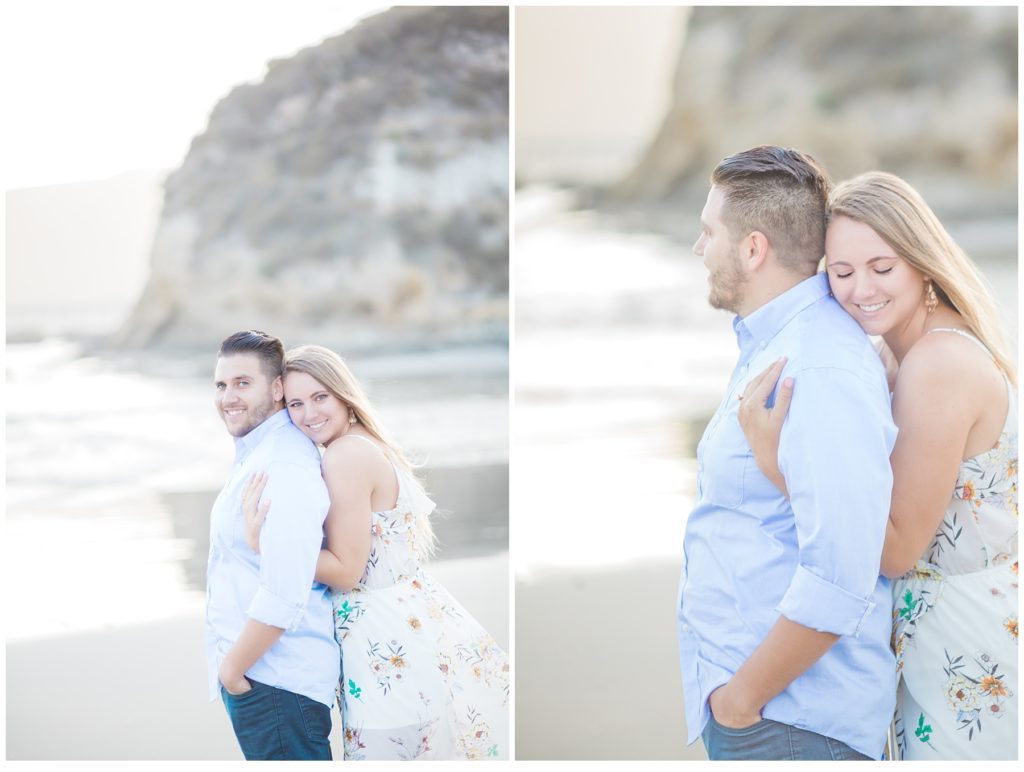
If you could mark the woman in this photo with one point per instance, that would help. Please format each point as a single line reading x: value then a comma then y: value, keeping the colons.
x: 951, y: 538
x: 420, y: 678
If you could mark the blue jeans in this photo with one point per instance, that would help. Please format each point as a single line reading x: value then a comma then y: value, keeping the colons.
x: 770, y: 740
x: 274, y: 724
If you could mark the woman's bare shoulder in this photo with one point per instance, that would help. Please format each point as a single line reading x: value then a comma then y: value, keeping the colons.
x: 950, y: 364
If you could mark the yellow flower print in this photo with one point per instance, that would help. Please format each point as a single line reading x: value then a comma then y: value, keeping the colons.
x: 397, y: 660
x: 1010, y: 623
x: 414, y: 623
x: 967, y: 492
x: 992, y: 686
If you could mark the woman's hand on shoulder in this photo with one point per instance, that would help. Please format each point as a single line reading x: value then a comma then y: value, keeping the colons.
x: 254, y: 511
x: 762, y: 425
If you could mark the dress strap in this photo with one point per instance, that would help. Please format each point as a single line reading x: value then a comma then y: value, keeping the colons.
x: 967, y: 335
x: 367, y: 439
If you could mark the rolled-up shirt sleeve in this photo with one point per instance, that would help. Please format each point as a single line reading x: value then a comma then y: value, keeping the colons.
x: 290, y: 543
x: 834, y: 453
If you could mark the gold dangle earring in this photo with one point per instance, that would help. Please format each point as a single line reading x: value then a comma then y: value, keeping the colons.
x: 931, y: 301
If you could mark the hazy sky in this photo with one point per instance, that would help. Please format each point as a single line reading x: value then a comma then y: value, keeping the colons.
x: 93, y: 89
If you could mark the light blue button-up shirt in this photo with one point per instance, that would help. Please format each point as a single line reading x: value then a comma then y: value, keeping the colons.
x: 751, y: 554
x: 276, y: 586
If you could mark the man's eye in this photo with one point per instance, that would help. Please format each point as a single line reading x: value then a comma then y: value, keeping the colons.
x: 243, y: 383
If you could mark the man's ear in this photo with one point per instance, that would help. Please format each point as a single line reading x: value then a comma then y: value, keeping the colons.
x: 755, y: 250
x: 277, y: 389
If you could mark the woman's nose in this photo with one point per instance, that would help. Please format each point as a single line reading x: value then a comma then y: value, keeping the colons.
x: 865, y: 288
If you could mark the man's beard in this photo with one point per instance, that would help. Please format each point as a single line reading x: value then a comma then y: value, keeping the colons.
x: 256, y: 414
x: 726, y: 287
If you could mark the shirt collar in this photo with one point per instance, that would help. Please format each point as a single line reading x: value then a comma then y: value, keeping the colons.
x: 245, y: 444
x: 762, y: 325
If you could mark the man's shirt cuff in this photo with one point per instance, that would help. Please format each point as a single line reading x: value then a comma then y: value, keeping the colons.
x: 816, y: 603
x: 273, y: 610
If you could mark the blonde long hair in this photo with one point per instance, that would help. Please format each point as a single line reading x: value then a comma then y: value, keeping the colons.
x: 898, y: 214
x: 330, y: 370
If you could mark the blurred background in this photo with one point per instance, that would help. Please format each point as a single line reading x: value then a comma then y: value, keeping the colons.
x: 331, y: 172
x: 621, y: 114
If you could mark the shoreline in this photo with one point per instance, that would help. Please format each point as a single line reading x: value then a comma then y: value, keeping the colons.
x: 138, y: 692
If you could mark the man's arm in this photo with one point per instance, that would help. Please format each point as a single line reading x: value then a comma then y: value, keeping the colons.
x: 785, y: 653
x: 834, y: 453
x: 253, y: 642
x: 290, y: 543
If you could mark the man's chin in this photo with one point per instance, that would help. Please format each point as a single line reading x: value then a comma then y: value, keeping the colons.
x: 238, y: 430
x: 721, y: 304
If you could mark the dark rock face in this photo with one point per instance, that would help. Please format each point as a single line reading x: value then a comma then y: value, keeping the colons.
x: 357, y: 196
x: 928, y: 93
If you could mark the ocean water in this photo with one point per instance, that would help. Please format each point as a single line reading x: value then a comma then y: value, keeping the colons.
x: 111, y: 471
x: 618, y: 362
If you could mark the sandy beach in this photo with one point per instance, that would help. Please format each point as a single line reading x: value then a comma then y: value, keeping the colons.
x: 139, y: 692
x: 603, y: 678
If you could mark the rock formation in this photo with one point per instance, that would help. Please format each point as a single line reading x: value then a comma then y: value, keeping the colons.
x: 357, y: 196
x: 930, y: 93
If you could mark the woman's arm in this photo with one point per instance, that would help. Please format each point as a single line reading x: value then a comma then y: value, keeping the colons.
x: 935, y: 404
x: 349, y: 471
x: 347, y: 476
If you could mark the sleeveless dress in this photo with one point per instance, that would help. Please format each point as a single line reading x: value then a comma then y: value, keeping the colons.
x: 420, y: 678
x: 955, y: 617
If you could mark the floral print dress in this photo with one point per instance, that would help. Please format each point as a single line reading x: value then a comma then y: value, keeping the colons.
x: 955, y: 619
x: 421, y: 679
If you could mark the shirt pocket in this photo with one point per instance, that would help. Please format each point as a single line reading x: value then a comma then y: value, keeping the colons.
x: 723, y: 462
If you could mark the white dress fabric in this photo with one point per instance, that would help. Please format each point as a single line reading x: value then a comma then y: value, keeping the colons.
x: 421, y: 679
x: 955, y: 618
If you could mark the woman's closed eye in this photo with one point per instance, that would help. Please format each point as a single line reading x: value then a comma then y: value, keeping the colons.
x: 879, y: 271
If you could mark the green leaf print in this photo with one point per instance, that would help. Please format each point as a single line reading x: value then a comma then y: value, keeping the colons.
x: 923, y: 731
x: 492, y: 751
x: 354, y: 690
x: 908, y: 598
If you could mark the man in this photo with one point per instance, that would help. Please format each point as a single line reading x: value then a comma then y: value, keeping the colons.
x: 783, y: 617
x: 270, y: 635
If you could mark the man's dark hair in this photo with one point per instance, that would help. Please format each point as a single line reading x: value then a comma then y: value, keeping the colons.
x: 269, y: 349
x: 782, y: 193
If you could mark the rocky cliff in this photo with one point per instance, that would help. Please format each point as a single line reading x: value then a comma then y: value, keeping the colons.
x: 357, y: 196
x: 930, y: 93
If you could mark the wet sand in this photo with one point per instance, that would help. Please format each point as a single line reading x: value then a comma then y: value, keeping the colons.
x: 603, y: 680
x: 139, y: 692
